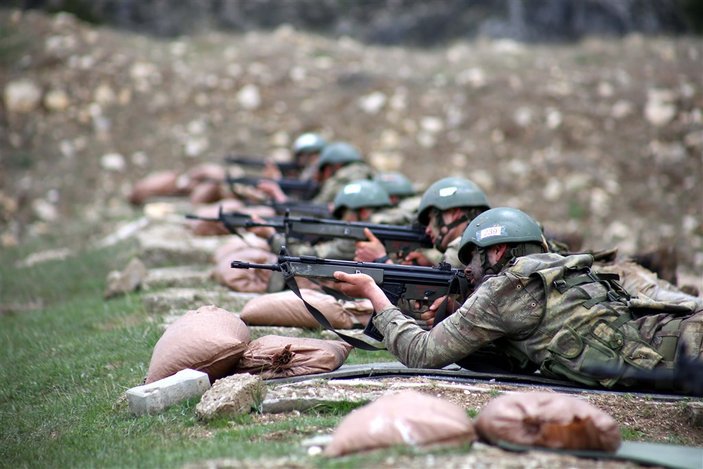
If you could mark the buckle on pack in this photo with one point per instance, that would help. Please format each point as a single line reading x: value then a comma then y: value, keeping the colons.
x: 560, y: 285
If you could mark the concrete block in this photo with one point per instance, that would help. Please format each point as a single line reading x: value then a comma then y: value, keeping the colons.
x: 154, y: 397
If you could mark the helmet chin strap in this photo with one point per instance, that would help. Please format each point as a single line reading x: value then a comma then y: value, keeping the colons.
x: 449, y: 226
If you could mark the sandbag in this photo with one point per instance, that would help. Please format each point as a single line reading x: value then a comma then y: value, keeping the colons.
x: 244, y: 280
x: 213, y: 228
x: 286, y: 309
x: 206, y: 192
x: 549, y: 420
x: 161, y: 183
x: 209, y: 339
x: 408, y: 417
x: 206, y: 172
x: 273, y: 356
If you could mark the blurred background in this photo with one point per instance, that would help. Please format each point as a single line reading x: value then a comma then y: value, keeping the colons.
x: 588, y: 114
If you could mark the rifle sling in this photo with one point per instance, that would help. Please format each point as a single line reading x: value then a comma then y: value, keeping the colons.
x: 358, y: 343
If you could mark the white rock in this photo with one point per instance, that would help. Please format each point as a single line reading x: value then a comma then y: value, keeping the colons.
x: 621, y: 109
x: 113, y: 162
x: 554, y: 118
x: 552, y: 190
x: 431, y: 124
x: 660, y: 108
x: 104, y: 94
x: 56, y: 100
x: 372, y: 103
x: 475, y: 77
x: 139, y: 158
x: 249, y: 97
x: 22, y: 96
x: 45, y: 210
x: 522, y: 116
x: 194, y: 147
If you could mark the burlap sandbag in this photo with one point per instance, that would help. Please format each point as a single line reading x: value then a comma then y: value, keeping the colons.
x: 548, y: 419
x: 161, y: 183
x: 273, y: 356
x: 213, y: 228
x: 244, y: 280
x: 408, y: 417
x: 236, y: 244
x: 207, y: 192
x: 209, y: 339
x: 286, y: 309
x: 206, y: 172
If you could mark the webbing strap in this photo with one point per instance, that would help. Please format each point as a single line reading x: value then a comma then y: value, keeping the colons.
x: 322, y: 320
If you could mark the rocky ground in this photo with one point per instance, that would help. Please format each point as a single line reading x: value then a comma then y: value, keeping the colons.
x: 604, y: 136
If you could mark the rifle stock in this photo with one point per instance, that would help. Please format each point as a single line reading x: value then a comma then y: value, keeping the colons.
x: 260, y: 162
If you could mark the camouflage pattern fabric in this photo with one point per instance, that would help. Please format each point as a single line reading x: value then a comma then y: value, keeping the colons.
x: 556, y: 329
x: 341, y: 178
x: 639, y: 281
x: 405, y: 213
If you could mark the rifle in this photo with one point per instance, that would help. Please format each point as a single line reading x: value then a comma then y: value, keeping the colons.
x: 398, y: 240
x: 260, y: 162
x: 306, y: 189
x: 399, y: 282
x: 301, y: 208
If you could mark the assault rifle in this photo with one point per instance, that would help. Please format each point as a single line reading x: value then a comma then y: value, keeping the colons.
x: 405, y: 283
x: 305, y: 189
x: 398, y: 240
x: 301, y: 208
x: 260, y: 162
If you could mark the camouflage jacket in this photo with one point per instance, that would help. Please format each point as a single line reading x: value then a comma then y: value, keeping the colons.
x: 343, y: 249
x: 341, y: 178
x: 405, y: 213
x: 530, y: 309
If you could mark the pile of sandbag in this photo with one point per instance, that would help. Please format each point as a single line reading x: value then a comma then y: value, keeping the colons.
x: 217, y: 342
x: 202, y: 184
x: 529, y: 419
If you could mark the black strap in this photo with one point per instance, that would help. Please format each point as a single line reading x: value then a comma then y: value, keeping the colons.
x: 358, y: 343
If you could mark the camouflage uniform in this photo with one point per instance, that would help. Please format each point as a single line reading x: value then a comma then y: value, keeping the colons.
x: 405, y: 213
x: 341, y: 178
x: 451, y: 254
x: 639, y: 281
x: 549, y: 310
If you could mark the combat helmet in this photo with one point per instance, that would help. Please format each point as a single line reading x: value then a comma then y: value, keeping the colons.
x: 497, y: 226
x: 360, y: 194
x: 395, y: 184
x: 308, y: 143
x: 338, y: 152
x: 449, y: 193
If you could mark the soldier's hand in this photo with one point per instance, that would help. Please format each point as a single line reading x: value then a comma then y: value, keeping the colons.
x: 361, y: 286
x: 416, y: 258
x: 271, y: 170
x: 273, y: 190
x: 368, y: 251
x: 264, y: 232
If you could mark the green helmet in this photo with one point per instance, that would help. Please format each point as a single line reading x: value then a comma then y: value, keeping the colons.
x: 395, y: 184
x: 497, y: 226
x: 449, y: 193
x: 308, y: 143
x: 360, y: 194
x: 338, y: 152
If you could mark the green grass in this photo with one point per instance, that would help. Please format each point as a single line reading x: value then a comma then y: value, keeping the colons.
x: 67, y: 363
